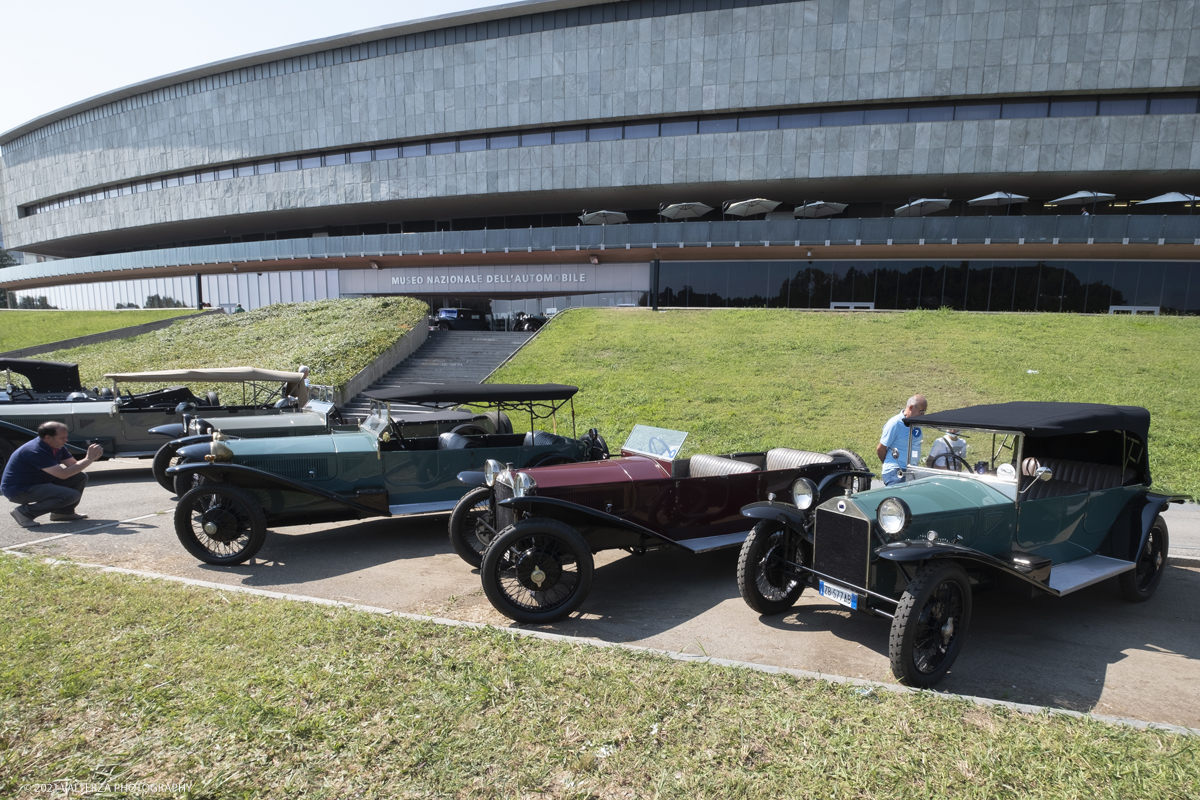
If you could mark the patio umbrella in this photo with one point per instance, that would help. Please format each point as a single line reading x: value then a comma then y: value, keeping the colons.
x: 602, y: 217
x: 1006, y: 199
x: 1172, y: 197
x: 923, y: 206
x: 744, y: 208
x: 684, y: 210
x: 1083, y: 198
x: 818, y: 208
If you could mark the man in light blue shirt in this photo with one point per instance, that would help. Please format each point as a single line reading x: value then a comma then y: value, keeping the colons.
x: 893, y: 443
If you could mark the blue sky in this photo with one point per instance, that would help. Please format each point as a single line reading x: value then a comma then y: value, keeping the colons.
x: 58, y: 52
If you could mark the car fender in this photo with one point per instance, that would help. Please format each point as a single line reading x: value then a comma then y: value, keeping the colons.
x: 173, y: 431
x: 239, y: 475
x: 783, y: 513
x: 17, y: 435
x: 187, y: 441
x: 574, y: 515
x: 472, y: 478
x: 908, y: 552
x: 1153, y: 504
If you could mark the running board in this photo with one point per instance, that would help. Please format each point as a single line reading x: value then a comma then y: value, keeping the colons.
x: 709, y: 543
x: 422, y: 508
x: 1075, y: 575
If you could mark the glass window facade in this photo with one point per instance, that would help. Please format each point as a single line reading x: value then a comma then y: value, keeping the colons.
x: 1047, y: 286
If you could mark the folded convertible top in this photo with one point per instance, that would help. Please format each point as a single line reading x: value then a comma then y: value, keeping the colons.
x: 474, y: 393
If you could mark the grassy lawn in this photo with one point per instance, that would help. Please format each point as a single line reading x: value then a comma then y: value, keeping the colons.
x: 336, y: 338
x: 752, y: 379
x: 19, y: 329
x: 112, y: 678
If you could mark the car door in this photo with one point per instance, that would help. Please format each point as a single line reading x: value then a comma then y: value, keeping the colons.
x: 1049, y: 526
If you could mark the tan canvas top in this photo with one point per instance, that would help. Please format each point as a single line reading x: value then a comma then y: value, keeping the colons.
x: 223, y: 375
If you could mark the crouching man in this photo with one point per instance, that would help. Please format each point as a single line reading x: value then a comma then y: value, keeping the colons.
x: 42, y: 477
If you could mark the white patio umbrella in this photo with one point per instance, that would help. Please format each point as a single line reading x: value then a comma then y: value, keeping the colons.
x: 923, y: 206
x: 998, y: 199
x: 1083, y: 198
x: 1172, y: 197
x: 684, y: 210
x: 602, y: 217
x: 818, y: 208
x: 744, y: 208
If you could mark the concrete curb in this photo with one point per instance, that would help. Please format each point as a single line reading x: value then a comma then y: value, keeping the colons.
x: 867, y: 685
x: 106, y: 336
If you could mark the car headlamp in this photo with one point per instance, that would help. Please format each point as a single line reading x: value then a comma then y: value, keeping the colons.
x: 491, y: 468
x: 893, y: 516
x: 522, y: 484
x: 804, y: 492
x: 219, y: 451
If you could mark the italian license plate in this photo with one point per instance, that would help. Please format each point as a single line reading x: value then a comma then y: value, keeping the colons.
x: 839, y: 595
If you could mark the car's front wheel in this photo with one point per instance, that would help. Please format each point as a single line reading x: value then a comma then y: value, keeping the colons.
x: 537, y: 571
x: 473, y: 525
x: 220, y: 524
x: 767, y: 583
x: 1138, y: 584
x: 164, y: 458
x: 930, y: 624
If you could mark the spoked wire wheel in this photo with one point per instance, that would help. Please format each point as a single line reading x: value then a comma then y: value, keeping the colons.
x: 768, y: 583
x: 220, y: 524
x: 473, y: 525
x: 1139, y: 584
x: 930, y: 624
x: 537, y: 571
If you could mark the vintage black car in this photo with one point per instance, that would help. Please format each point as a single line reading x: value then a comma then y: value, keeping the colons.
x: 532, y: 532
x: 1049, y: 498
x: 459, y: 319
x: 243, y: 486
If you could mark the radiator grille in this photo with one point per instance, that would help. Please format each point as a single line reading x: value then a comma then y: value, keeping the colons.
x: 505, y: 516
x: 843, y: 547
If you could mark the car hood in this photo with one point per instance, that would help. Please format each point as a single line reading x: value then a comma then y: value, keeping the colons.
x: 257, y: 422
x: 934, y: 495
x: 588, y: 473
x: 291, y: 446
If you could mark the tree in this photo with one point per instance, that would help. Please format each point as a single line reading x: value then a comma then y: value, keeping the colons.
x: 154, y: 301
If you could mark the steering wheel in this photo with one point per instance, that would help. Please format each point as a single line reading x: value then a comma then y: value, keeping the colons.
x: 662, y: 449
x: 953, y: 461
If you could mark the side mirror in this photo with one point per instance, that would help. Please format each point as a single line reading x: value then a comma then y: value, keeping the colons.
x: 1043, y: 474
x: 896, y: 453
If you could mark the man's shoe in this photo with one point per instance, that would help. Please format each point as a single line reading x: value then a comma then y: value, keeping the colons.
x: 72, y: 517
x: 24, y: 521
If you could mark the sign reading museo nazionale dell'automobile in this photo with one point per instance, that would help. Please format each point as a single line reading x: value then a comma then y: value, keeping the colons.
x: 516, y: 279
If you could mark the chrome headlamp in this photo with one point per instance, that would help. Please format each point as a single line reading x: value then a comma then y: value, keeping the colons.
x: 491, y: 468
x: 893, y: 516
x: 219, y: 451
x: 804, y: 492
x: 522, y: 484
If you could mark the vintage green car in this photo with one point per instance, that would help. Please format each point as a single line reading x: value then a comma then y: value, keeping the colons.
x: 241, y: 487
x: 121, y: 421
x: 1046, y: 499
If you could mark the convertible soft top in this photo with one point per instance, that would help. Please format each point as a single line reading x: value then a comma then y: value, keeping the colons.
x: 223, y: 375
x: 45, y: 376
x: 1042, y: 419
x: 474, y: 393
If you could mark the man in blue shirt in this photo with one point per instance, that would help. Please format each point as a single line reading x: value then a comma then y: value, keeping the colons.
x: 42, y: 477
x: 893, y: 443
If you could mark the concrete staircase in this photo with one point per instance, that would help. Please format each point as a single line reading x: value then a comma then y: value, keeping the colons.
x: 447, y: 357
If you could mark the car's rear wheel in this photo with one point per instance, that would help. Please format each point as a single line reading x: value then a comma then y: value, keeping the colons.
x: 856, y: 461
x: 473, y: 525
x: 766, y: 582
x: 220, y: 524
x: 930, y: 624
x: 500, y: 421
x: 537, y: 571
x: 1138, y: 584
x: 163, y: 459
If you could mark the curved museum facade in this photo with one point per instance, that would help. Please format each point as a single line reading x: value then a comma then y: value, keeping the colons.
x: 451, y: 158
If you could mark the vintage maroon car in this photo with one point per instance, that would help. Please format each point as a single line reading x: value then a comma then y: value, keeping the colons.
x: 532, y: 532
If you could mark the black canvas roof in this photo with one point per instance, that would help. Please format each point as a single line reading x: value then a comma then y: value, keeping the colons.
x: 45, y: 376
x: 1043, y: 419
x: 474, y: 393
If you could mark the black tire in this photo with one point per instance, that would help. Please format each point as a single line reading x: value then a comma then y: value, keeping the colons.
x: 443, y: 326
x: 1138, y: 585
x: 220, y: 524
x: 856, y: 461
x: 523, y: 552
x: 473, y: 525
x: 469, y: 429
x: 930, y: 625
x: 500, y: 421
x: 213, y: 399
x: 164, y: 458
x: 766, y: 585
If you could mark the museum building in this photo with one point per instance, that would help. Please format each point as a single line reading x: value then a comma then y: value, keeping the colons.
x: 975, y: 154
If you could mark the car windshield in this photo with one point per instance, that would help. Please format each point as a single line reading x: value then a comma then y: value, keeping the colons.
x: 657, y: 442
x: 989, y: 455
